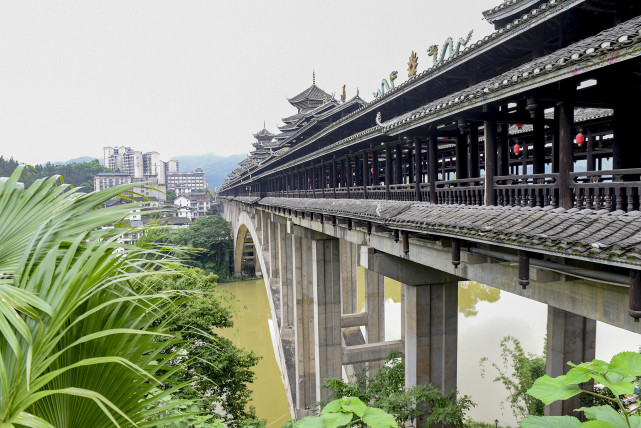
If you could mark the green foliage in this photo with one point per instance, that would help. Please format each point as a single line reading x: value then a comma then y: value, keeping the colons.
x: 221, y: 371
x: 78, y: 329
x: 619, y: 377
x: 386, y: 390
x: 345, y: 412
x: 212, y: 236
x: 518, y: 373
x: 77, y: 174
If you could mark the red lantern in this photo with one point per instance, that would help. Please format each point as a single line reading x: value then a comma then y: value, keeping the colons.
x: 517, y: 149
x: 371, y: 170
x: 519, y: 126
x: 580, y: 139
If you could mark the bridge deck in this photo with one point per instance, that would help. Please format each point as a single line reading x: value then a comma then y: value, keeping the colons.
x: 601, y: 236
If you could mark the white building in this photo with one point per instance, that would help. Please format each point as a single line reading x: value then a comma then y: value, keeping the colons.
x: 137, y: 164
x: 105, y: 180
x: 186, y: 182
x: 193, y: 205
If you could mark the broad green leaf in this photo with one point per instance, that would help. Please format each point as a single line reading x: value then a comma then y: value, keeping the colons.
x: 598, y: 424
x: 550, y: 422
x: 377, y: 418
x: 621, y: 388
x: 578, y: 375
x: 311, y: 422
x: 549, y: 389
x: 332, y: 406
x: 354, y: 405
x: 333, y: 420
x: 626, y: 364
x: 29, y: 420
x: 605, y: 414
x: 635, y: 421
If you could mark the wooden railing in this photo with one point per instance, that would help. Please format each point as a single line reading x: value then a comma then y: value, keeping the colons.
x: 530, y: 190
x: 610, y: 190
x: 597, y: 190
x: 466, y: 191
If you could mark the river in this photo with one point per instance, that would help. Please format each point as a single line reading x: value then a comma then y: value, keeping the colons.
x: 486, y: 315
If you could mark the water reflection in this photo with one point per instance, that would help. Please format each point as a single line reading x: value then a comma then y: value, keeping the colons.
x: 252, y: 323
x: 486, y: 315
x: 471, y: 293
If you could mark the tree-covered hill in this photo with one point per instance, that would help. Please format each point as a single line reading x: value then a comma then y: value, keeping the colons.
x: 78, y: 174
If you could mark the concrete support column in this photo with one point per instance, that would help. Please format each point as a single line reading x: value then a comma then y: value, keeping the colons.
x: 327, y: 312
x: 431, y: 335
x: 285, y: 264
x: 375, y: 308
x: 304, y: 347
x: 273, y: 250
x: 348, y: 270
x: 570, y: 337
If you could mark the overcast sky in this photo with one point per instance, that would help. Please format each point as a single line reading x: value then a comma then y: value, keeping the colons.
x: 196, y: 76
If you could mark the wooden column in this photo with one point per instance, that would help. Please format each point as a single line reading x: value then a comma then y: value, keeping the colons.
x: 312, y: 180
x: 473, y: 140
x: 365, y: 178
x: 503, y: 158
x: 565, y: 123
x: 524, y: 157
x: 398, y: 170
x: 538, y: 135
x: 388, y: 171
x: 432, y: 164
x: 589, y: 141
x: 348, y: 174
x: 417, y: 169
x: 461, y: 155
x: 376, y: 176
x: 333, y: 178
x: 555, y: 142
x: 490, y: 161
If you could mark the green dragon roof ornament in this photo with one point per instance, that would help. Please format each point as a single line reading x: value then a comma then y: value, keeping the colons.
x: 384, y: 84
x: 433, y: 50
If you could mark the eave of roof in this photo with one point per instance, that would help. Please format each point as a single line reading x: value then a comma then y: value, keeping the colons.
x: 621, y: 42
x: 508, y: 8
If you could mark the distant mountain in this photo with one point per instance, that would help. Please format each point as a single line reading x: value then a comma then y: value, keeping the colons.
x: 216, y: 167
x: 79, y: 160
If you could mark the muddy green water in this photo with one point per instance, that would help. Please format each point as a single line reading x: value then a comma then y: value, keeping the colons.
x: 486, y: 315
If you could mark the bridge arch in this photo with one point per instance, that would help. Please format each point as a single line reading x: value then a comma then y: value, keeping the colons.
x: 248, y: 259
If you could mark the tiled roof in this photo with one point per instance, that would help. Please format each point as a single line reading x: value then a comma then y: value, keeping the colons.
x: 309, y: 98
x: 541, y: 13
x: 507, y: 8
x: 607, y: 41
x: 612, y: 237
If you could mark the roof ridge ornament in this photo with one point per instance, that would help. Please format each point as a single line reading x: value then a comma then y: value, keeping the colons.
x: 379, y: 121
x: 384, y: 84
x: 343, y: 95
x: 313, y: 77
x: 433, y: 50
x: 412, y: 65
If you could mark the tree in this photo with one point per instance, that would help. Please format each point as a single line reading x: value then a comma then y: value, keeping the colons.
x: 386, y: 390
x: 518, y: 373
x: 221, y: 371
x: 212, y: 236
x: 78, y: 326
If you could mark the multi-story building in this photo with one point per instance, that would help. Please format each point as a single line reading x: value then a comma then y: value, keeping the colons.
x: 137, y: 164
x: 149, y: 186
x: 186, y: 182
x: 197, y: 204
x: 105, y: 180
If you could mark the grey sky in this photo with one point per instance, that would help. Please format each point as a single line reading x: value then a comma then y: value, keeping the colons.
x: 196, y: 76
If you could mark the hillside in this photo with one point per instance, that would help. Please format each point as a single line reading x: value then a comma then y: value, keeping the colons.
x: 216, y: 167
